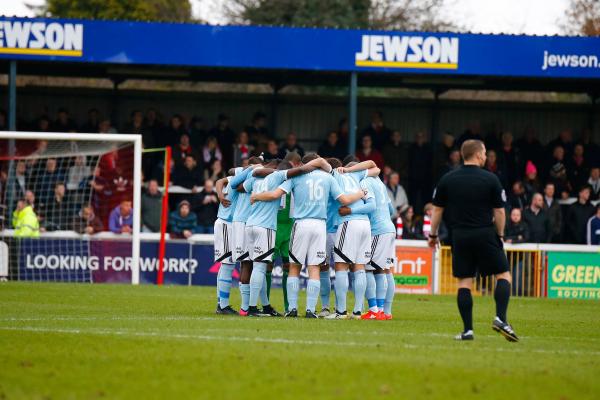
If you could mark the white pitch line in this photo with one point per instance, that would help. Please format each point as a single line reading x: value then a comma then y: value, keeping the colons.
x: 163, y: 335
x: 270, y: 329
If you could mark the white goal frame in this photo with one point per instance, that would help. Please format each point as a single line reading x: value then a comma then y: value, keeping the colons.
x: 137, y: 176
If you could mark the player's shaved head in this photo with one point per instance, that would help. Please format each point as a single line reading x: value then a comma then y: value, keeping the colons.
x: 334, y: 162
x: 292, y: 157
x: 349, y: 158
x: 351, y: 164
x: 284, y: 165
x: 470, y: 148
x: 254, y: 160
x: 309, y: 157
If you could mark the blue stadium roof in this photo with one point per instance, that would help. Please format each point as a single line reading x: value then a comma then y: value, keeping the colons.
x: 279, y: 55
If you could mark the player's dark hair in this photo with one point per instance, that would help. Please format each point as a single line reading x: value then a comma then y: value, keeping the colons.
x: 471, y: 147
x: 284, y: 165
x: 334, y: 162
x: 309, y: 157
x: 254, y: 160
x: 349, y: 158
x: 273, y: 163
x: 292, y: 157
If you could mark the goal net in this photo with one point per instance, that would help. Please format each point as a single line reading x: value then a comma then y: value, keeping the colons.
x: 69, y: 207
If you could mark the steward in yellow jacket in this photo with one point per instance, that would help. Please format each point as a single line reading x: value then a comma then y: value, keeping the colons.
x: 25, y: 221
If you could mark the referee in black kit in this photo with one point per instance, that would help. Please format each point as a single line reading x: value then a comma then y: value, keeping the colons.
x: 472, y: 202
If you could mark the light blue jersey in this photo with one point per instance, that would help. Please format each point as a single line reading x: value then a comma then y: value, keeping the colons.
x: 380, y: 218
x: 226, y: 213
x: 350, y: 184
x: 311, y: 194
x: 264, y: 213
x: 242, y: 208
x: 332, y: 216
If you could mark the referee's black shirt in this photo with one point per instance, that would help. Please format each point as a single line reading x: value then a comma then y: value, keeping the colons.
x: 468, y: 196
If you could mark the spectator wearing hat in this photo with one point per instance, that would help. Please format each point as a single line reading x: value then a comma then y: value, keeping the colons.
x: 578, y: 215
x: 594, y: 182
x: 183, y: 223
x: 593, y: 228
x: 531, y: 182
x: 557, y: 172
x: 554, y: 211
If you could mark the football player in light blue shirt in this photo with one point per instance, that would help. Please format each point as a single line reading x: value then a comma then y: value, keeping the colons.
x: 307, y: 244
x: 222, y: 246
x: 240, y: 215
x: 352, y: 243
x: 262, y: 225
x: 380, y: 279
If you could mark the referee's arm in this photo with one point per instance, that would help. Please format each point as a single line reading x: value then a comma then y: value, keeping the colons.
x: 499, y: 221
x: 436, y: 218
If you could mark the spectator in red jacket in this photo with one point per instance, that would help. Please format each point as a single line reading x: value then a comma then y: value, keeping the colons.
x: 367, y: 152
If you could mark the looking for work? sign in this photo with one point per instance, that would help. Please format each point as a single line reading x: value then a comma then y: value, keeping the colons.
x: 573, y: 275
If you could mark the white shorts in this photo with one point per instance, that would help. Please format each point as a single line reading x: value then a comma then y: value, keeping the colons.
x: 222, y: 243
x: 308, y: 242
x: 260, y: 243
x: 383, y: 252
x: 239, y: 247
x: 353, y: 242
x: 329, y: 249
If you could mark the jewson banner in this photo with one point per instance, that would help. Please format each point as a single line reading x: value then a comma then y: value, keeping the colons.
x: 573, y: 275
x: 143, y: 43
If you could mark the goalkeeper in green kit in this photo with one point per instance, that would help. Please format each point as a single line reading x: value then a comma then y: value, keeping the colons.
x: 284, y: 231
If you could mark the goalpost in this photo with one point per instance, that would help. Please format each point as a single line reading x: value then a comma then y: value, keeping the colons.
x: 58, y: 191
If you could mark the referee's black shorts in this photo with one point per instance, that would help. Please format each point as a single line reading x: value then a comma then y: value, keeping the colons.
x: 477, y: 250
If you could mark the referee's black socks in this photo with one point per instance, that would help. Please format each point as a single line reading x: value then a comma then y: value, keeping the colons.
x: 502, y: 295
x: 465, y: 307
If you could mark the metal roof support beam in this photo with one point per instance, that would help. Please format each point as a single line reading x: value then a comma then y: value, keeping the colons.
x: 352, y: 94
x: 12, y: 96
x: 592, y: 114
x: 12, y: 126
x: 275, y: 109
x: 114, y: 112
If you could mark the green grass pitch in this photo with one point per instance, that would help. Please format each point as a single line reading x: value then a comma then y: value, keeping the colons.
x: 78, y: 341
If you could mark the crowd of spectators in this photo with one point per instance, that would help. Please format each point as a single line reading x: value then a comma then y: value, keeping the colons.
x: 535, y: 176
